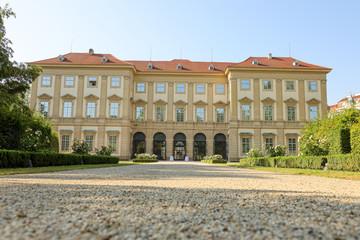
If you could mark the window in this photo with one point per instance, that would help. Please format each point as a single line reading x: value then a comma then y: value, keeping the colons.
x: 200, y: 88
x: 290, y: 85
x: 200, y: 115
x: 312, y: 85
x: 268, y: 113
x: 160, y: 87
x: 114, y: 110
x: 219, y: 88
x: 90, y: 110
x: 140, y: 87
x: 220, y: 115
x: 269, y: 142
x: 69, y: 81
x: 313, y: 112
x: 180, y: 114
x: 44, y: 108
x: 89, y: 139
x: 245, y: 84
x: 267, y: 85
x: 115, y: 82
x: 159, y: 114
x: 245, y: 112
x: 92, y: 81
x: 291, y: 113
x: 65, y: 142
x: 292, y: 145
x: 245, y: 142
x: 180, y: 88
x: 139, y: 114
x: 67, y: 109
x: 113, y: 142
x: 46, y: 80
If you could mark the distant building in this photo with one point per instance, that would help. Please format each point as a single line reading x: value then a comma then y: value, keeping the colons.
x: 347, y: 102
x: 179, y: 108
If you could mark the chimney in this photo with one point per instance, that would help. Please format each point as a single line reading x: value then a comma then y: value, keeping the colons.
x: 270, y: 56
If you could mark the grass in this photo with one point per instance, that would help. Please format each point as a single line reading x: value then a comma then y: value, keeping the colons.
x: 305, y: 172
x: 12, y: 171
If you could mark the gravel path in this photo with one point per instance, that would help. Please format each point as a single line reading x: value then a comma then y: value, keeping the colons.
x: 177, y: 200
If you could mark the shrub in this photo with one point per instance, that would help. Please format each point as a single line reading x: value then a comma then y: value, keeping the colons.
x: 97, y: 159
x: 144, y: 160
x: 104, y: 151
x: 14, y: 159
x: 344, y: 162
x: 355, y: 139
x: 145, y: 157
x: 255, y: 153
x: 276, y: 151
x: 80, y: 148
x: 214, y: 159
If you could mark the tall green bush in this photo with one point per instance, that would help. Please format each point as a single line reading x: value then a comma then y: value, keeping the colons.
x: 355, y: 139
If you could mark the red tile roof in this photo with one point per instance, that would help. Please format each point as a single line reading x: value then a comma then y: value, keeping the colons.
x: 171, y: 66
x: 187, y: 66
x: 83, y: 59
x: 277, y: 62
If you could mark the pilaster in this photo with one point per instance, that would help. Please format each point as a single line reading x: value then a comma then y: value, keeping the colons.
x: 190, y: 103
x: 126, y: 99
x: 80, y: 97
x: 323, y: 98
x: 256, y: 94
x: 210, y: 100
x: 302, y: 109
x: 150, y: 104
x: 101, y: 136
x: 170, y: 103
x: 125, y: 143
x: 233, y: 145
x: 57, y: 88
x: 103, y: 96
x: 233, y: 99
x: 279, y: 100
x: 34, y: 88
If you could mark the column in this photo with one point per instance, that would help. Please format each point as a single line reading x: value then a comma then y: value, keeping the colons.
x: 57, y: 88
x: 256, y: 93
x: 279, y: 101
x: 77, y: 133
x: 103, y: 96
x: 210, y: 101
x: 170, y: 102
x: 80, y: 97
x: 150, y: 101
x: 126, y: 99
x: 323, y: 98
x: 302, y: 109
x: 34, y: 87
x: 190, y: 103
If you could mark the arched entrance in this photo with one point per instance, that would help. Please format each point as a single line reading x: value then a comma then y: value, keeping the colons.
x: 220, y: 145
x: 179, y: 146
x: 138, y: 143
x: 159, y: 147
x: 199, y: 146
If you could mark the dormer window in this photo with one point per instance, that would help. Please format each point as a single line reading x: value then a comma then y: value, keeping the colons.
x: 150, y: 66
x: 255, y: 62
x: 296, y: 63
x: 61, y: 58
x: 179, y: 67
x: 104, y: 59
x: 211, y: 67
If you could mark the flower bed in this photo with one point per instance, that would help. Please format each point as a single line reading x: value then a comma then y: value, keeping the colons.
x: 145, y: 157
x: 214, y: 159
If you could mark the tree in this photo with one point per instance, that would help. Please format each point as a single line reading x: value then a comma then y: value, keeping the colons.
x: 20, y: 127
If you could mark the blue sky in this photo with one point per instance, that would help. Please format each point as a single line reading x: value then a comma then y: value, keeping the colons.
x: 324, y: 33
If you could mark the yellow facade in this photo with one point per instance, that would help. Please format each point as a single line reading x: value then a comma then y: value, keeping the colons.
x: 198, y: 104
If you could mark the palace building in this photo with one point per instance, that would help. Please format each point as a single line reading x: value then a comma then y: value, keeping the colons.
x: 179, y: 108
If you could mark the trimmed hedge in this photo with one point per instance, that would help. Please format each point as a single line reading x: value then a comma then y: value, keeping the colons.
x: 18, y: 159
x: 335, y: 162
x: 355, y: 138
x: 144, y: 160
x: 214, y: 161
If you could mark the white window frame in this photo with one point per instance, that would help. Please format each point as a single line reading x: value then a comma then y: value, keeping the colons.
x: 181, y: 87
x: 91, y: 110
x: 160, y: 87
x: 291, y: 113
x: 92, y: 81
x: 267, y: 84
x: 220, y: 89
x: 44, y: 108
x: 113, y: 142
x: 140, y: 114
x: 292, y: 84
x: 90, y: 139
x: 268, y: 112
x: 140, y: 87
x: 245, y: 84
x: 180, y: 116
x: 69, y: 81
x: 292, y: 148
x: 160, y: 116
x: 67, y: 110
x: 220, y: 115
x: 313, y: 113
x: 46, y: 81
x: 114, y: 109
x: 200, y: 88
x: 115, y: 82
x: 65, y: 143
x: 312, y: 86
x: 245, y: 144
x: 200, y: 115
x: 245, y: 113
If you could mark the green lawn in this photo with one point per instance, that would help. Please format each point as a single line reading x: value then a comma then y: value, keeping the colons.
x: 306, y: 172
x: 12, y: 171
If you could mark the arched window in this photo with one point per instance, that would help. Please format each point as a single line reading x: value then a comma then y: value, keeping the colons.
x: 220, y: 145
x: 179, y: 146
x: 199, y: 146
x: 138, y: 143
x: 159, y: 147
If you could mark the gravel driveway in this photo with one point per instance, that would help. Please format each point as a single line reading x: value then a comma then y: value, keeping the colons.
x: 177, y: 200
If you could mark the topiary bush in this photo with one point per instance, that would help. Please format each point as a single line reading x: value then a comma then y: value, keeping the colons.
x: 355, y: 138
x: 145, y: 157
x: 214, y: 159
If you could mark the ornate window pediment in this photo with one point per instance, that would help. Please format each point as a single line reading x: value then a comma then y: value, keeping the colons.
x: 160, y: 102
x: 44, y: 96
x: 220, y: 103
x: 91, y: 97
x: 268, y: 100
x: 140, y: 102
x: 68, y: 96
x: 313, y: 101
x: 245, y: 100
x: 114, y: 97
x: 200, y: 103
x: 180, y: 102
x: 291, y: 101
